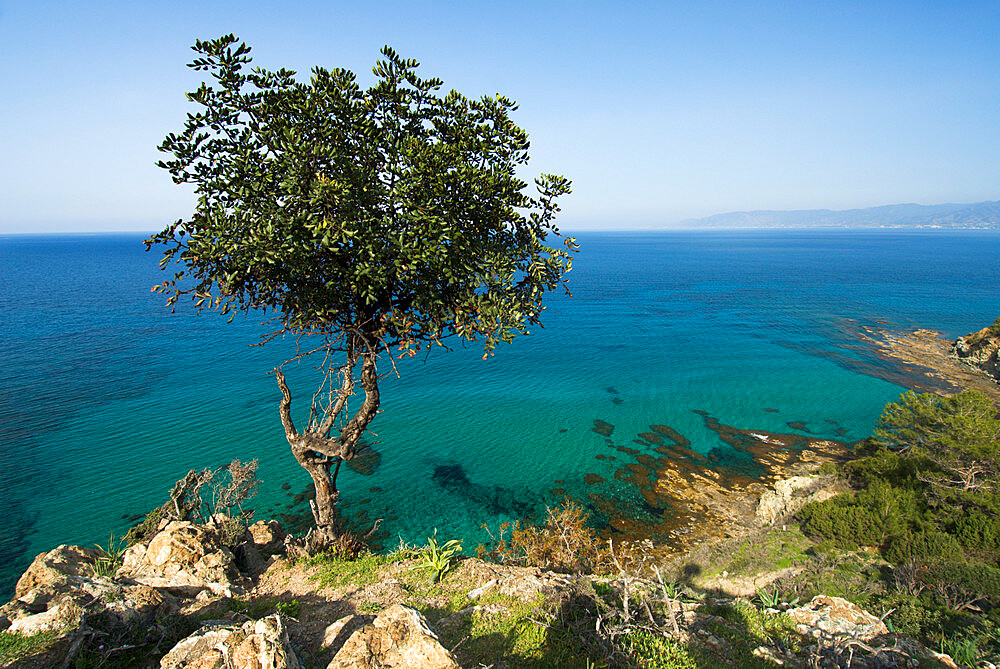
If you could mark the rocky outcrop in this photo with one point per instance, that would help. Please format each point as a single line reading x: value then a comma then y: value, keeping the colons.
x: 268, y: 536
x: 185, y: 559
x: 788, y: 496
x: 257, y: 644
x: 399, y: 638
x: 834, y: 617
x: 981, y: 350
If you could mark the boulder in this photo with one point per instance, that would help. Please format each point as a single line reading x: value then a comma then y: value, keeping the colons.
x: 184, y: 558
x: 836, y: 617
x: 268, y: 535
x: 52, y: 573
x: 257, y: 644
x: 336, y: 634
x: 62, y: 615
x: 398, y: 638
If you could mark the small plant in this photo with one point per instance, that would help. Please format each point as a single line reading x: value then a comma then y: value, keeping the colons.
x: 109, y: 557
x: 438, y: 558
x: 290, y: 609
x: 769, y: 599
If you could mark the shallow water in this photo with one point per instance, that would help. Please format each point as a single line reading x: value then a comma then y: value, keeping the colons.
x: 107, y: 398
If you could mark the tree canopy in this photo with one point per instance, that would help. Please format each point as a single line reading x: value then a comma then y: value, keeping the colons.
x: 394, y: 213
x: 960, y: 435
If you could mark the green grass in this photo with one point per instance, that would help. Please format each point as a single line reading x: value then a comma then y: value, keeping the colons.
x: 651, y: 651
x: 336, y: 572
x: 517, y: 632
x: 15, y: 646
x: 775, y: 549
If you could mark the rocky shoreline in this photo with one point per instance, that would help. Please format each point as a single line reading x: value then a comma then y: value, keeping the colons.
x: 944, y: 365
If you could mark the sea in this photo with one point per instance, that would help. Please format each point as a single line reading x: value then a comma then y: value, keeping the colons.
x: 107, y: 398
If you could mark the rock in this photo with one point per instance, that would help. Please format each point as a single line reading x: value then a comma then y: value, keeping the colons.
x: 257, y: 644
x: 833, y: 616
x: 398, y: 638
x: 481, y: 590
x: 64, y: 615
x: 981, y: 349
x: 789, y: 495
x: 268, y: 535
x: 336, y: 634
x: 184, y: 558
x: 53, y: 572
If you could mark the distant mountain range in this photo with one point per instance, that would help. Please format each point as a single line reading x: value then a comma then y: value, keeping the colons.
x: 982, y: 215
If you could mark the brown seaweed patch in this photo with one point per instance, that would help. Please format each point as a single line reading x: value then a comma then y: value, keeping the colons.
x: 617, y: 400
x: 603, y: 428
x: 640, y: 441
x: 592, y: 479
x: 770, y: 410
x: 625, y: 449
x: 647, y: 460
x: 841, y: 432
x: 559, y: 481
x: 601, y: 456
x: 799, y: 425
x: 651, y: 437
x: 671, y: 434
x: 559, y: 492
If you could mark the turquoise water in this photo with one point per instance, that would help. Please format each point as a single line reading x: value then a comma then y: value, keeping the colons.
x: 107, y: 398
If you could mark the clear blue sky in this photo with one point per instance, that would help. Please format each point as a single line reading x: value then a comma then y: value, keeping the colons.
x: 657, y: 111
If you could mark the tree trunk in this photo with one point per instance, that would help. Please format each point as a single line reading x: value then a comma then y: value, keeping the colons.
x: 318, y: 453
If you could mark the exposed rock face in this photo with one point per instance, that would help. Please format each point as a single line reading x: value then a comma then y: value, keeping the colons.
x: 981, y: 349
x: 836, y: 617
x: 398, y: 638
x: 184, y: 558
x: 52, y: 573
x: 257, y: 644
x: 268, y: 535
x: 788, y: 496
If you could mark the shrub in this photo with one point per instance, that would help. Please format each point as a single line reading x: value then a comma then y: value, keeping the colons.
x: 565, y: 543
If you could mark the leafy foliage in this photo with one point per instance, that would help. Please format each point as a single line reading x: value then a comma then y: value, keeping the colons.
x: 928, y: 501
x: 438, y: 558
x: 393, y: 211
x: 959, y: 435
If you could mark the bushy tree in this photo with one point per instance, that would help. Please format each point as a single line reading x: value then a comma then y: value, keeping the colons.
x: 959, y: 435
x: 368, y: 222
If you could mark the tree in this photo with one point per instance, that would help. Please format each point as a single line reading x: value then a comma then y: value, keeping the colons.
x: 959, y: 435
x: 360, y: 221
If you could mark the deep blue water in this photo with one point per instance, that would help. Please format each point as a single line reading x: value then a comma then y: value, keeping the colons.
x: 107, y: 398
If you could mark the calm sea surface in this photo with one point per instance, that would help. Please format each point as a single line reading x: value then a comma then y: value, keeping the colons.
x: 106, y: 398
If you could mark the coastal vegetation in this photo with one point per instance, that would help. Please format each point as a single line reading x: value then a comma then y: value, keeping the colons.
x: 363, y: 223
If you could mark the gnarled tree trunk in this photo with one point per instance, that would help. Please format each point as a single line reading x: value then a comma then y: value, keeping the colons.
x: 320, y: 454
